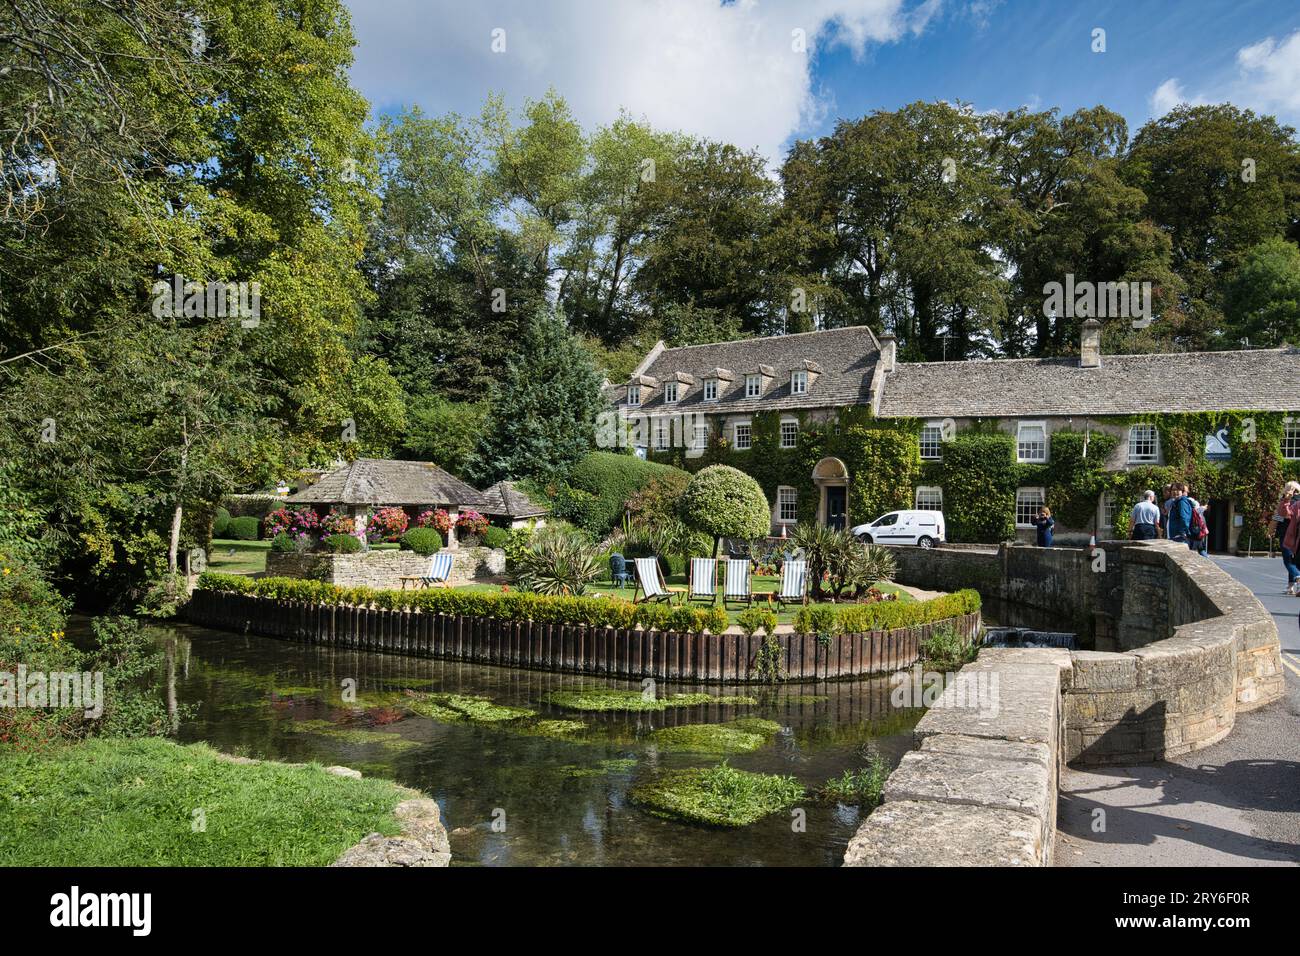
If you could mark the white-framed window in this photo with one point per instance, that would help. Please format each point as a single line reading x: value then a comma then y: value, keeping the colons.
x: 787, y: 505
x: 1028, y: 501
x: 634, y: 394
x: 929, y: 498
x: 931, y: 440
x: 661, y: 435
x: 710, y: 389
x: 789, y: 432
x: 1106, y: 511
x: 798, y: 382
x: 753, y: 386
x: 701, y: 437
x: 743, y: 436
x: 1143, y: 445
x: 1291, y: 438
x: 670, y: 392
x: 1031, y: 441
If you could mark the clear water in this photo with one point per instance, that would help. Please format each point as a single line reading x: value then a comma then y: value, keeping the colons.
x: 564, y: 802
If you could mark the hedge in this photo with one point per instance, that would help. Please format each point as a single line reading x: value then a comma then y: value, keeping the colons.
x: 244, y: 528
x: 883, y: 615
x: 422, y: 541
x: 502, y: 605
x: 598, y: 487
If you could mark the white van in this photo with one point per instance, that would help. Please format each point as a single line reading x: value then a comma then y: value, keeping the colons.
x: 923, y: 528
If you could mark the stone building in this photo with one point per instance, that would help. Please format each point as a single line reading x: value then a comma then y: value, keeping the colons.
x: 510, y: 507
x: 704, y: 403
x: 363, y: 485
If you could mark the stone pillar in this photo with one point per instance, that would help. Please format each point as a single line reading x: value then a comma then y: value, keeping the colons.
x: 452, y: 543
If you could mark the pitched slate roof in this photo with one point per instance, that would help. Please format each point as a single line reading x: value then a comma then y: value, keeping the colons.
x: 840, y: 365
x: 1258, y: 379
x: 505, y: 500
x: 379, y: 481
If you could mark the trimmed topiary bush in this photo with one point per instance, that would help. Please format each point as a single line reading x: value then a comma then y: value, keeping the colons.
x: 724, y: 502
x: 495, y: 537
x: 342, y: 543
x: 243, y: 529
x: 421, y: 541
x: 220, y: 523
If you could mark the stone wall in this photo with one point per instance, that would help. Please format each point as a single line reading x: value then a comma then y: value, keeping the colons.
x: 382, y: 569
x: 1175, y: 647
x: 980, y: 789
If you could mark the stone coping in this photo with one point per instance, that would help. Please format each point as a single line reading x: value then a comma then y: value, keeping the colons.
x: 980, y: 790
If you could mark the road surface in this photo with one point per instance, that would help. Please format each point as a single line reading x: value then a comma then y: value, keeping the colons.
x: 1234, y: 803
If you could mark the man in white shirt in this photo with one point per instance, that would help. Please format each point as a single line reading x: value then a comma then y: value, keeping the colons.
x: 1145, y: 518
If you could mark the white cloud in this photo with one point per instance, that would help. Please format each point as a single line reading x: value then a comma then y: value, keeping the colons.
x: 1267, y: 80
x: 723, y: 70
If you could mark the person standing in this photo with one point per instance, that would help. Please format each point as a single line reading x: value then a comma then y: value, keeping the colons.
x: 1286, y: 524
x: 1145, y: 518
x: 1043, y: 525
x: 1179, y: 526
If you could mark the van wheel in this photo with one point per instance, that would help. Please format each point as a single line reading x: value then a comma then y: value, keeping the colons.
x: 865, y: 538
x: 925, y: 541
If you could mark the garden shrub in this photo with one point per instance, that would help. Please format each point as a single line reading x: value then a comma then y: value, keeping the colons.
x: 341, y: 543
x: 503, y: 605
x: 244, y: 528
x: 724, y: 502
x: 283, y: 544
x: 422, y: 541
x: 599, y: 486
x: 495, y: 537
x: 220, y: 523
x: 883, y: 615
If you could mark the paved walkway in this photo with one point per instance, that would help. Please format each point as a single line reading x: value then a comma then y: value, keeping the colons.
x: 1235, y: 803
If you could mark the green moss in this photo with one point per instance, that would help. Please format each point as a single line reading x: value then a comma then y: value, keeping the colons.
x: 596, y: 699
x: 457, y: 707
x: 561, y: 729
x: 718, y: 796
x: 736, y: 736
x: 864, y: 786
x: 350, y: 735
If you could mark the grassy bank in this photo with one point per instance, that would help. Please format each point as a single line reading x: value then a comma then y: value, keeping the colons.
x: 152, y: 802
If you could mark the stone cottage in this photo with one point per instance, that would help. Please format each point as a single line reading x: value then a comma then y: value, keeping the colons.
x: 705, y: 403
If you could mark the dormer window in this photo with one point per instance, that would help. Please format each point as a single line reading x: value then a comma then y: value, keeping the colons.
x: 753, y: 386
x: 710, y: 389
x: 670, y: 392
x: 634, y: 394
x: 798, y: 382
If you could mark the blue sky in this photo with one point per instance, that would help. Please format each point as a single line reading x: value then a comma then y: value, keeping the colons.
x: 737, y: 70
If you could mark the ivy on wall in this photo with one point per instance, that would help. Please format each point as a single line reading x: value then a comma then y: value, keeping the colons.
x: 979, y: 473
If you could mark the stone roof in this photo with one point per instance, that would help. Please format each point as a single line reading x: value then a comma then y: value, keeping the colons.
x: 843, y: 360
x: 379, y: 481
x: 505, y: 500
x: 1257, y: 379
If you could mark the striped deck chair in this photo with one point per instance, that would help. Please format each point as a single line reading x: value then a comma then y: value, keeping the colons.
x: 794, y: 583
x: 439, y: 570
x: 736, y: 586
x: 704, y: 580
x: 650, y: 582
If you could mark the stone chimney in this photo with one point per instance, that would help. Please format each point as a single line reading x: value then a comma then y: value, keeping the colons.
x: 888, y: 349
x: 1090, y: 345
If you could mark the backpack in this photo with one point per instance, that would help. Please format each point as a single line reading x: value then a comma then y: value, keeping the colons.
x: 1199, y: 528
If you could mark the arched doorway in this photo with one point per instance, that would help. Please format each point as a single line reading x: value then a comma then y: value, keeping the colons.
x: 832, y: 480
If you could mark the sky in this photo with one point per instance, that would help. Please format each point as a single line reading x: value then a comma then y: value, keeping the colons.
x: 764, y: 73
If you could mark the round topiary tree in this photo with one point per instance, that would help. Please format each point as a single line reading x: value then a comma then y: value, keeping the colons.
x: 725, y: 503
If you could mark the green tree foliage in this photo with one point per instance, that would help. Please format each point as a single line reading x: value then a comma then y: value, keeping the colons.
x: 1262, y: 300
x: 723, y: 502
x: 544, y: 407
x: 979, y: 486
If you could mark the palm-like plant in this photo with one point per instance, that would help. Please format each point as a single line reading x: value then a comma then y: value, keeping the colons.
x: 560, y: 561
x: 871, y: 563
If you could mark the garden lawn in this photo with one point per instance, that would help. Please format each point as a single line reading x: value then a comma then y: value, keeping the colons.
x: 758, y: 584
x: 134, y: 803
